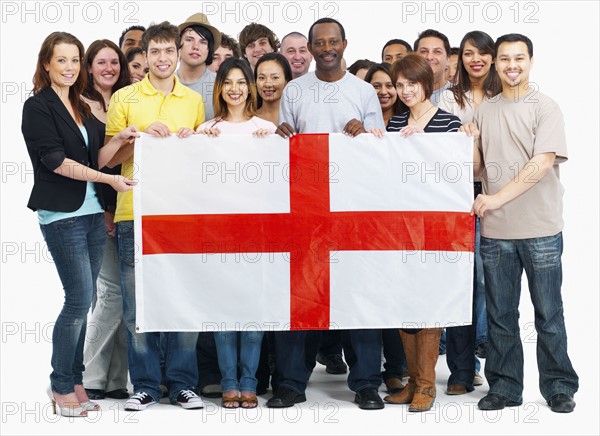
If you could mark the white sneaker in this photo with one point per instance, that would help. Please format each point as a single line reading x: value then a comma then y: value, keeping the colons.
x: 139, y: 401
x: 189, y: 400
x: 478, y: 379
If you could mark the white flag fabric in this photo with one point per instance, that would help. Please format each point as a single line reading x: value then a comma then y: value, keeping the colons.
x: 319, y: 231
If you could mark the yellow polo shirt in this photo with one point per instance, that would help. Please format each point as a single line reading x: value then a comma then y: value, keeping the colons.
x: 140, y: 105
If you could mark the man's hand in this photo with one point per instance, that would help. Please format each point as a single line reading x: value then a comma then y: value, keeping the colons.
x: 158, y: 129
x: 354, y: 128
x: 285, y: 130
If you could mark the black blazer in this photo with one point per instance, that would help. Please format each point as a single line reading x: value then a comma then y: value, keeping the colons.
x: 51, y: 135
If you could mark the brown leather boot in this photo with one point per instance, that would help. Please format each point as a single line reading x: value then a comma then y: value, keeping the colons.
x: 406, y: 395
x: 427, y: 342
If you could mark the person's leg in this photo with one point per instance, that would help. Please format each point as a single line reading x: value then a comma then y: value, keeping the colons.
x: 504, y: 363
x: 209, y: 374
x: 479, y: 310
x: 542, y: 262
x: 395, y: 360
x: 143, y: 349
x: 250, y: 346
x: 290, y: 369
x: 365, y: 365
x: 460, y: 359
x: 227, y: 354
x: 76, y: 245
x: 427, y: 341
x: 181, y: 368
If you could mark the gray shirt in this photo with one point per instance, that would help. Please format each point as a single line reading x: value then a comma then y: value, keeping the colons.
x: 204, y: 86
x: 311, y: 105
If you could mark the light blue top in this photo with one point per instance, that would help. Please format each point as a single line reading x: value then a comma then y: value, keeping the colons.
x: 90, y: 205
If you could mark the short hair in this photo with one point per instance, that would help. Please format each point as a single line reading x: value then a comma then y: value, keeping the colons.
x: 416, y: 69
x: 359, y: 65
x: 295, y: 34
x: 254, y: 31
x: 133, y: 52
x: 162, y: 32
x: 394, y: 42
x: 283, y: 63
x: 219, y: 103
x: 491, y: 85
x: 515, y: 37
x: 230, y: 43
x: 206, y: 34
x: 123, y: 80
x: 430, y: 33
x: 326, y: 20
x: 454, y: 51
x: 122, y: 37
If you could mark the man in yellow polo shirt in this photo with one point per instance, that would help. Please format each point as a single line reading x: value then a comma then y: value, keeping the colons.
x: 158, y: 105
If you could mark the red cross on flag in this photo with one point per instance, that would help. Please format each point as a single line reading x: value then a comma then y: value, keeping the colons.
x: 319, y: 231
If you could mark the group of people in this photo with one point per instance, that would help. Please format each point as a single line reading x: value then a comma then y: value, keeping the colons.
x: 89, y: 106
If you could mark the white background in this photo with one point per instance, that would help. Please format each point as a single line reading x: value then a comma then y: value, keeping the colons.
x: 565, y: 37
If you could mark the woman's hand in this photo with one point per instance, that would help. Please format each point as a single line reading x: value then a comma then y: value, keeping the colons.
x: 122, y: 184
x: 410, y: 130
x: 212, y: 132
x: 158, y: 129
x: 261, y: 133
x: 377, y: 132
x: 127, y: 135
x: 470, y: 129
x: 184, y: 132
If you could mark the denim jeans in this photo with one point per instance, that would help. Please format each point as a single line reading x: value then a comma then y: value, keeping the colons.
x: 504, y: 262
x: 362, y: 350
x: 144, y: 349
x: 250, y: 343
x: 393, y: 351
x: 77, y: 246
x: 479, y: 310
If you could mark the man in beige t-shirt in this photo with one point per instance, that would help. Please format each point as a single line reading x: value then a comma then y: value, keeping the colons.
x: 522, y: 142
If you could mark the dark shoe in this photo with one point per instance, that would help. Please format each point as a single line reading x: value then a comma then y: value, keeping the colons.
x: 481, y: 350
x: 118, y: 394
x: 334, y: 364
x: 369, y: 399
x: 211, y: 391
x: 96, y: 394
x: 394, y: 385
x: 496, y: 402
x: 456, y: 389
x: 285, y: 397
x: 562, y: 403
x: 140, y: 401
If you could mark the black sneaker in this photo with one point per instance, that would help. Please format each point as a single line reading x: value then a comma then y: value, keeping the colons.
x: 481, y: 350
x: 188, y: 399
x: 334, y: 364
x: 139, y: 401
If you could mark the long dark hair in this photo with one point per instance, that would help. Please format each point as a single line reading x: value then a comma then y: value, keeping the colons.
x: 221, y: 110
x: 491, y: 85
x: 41, y: 78
x: 283, y: 63
x: 124, y: 79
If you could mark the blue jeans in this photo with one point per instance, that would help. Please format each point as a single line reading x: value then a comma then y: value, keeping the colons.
x: 77, y: 246
x: 504, y: 262
x: 479, y: 310
x: 144, y: 349
x: 250, y: 343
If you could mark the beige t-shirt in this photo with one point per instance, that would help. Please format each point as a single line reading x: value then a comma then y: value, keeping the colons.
x: 512, y: 132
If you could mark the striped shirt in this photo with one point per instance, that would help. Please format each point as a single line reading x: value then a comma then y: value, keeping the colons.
x: 442, y: 121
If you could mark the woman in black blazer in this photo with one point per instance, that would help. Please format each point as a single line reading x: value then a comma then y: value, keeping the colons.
x: 63, y: 142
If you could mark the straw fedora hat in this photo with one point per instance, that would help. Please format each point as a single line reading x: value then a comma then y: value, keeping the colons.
x: 200, y: 19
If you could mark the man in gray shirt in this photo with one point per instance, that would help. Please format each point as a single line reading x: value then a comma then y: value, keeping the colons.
x: 328, y: 100
x: 199, y: 40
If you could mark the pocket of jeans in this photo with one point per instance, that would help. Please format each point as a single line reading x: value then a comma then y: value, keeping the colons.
x: 546, y: 252
x: 490, y: 252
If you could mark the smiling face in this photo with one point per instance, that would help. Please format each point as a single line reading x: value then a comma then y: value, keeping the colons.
x: 327, y: 46
x: 257, y: 49
x: 434, y: 52
x: 385, y: 89
x: 162, y: 59
x: 270, y: 80
x: 295, y: 50
x: 138, y: 68
x: 64, y: 65
x: 477, y: 63
x: 513, y: 64
x: 105, y: 68
x: 194, y: 48
x: 235, y: 88
x: 410, y: 92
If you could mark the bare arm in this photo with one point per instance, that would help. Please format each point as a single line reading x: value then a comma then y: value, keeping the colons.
x: 74, y: 170
x: 533, y: 171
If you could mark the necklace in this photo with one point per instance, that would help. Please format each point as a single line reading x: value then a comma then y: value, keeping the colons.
x: 422, y: 115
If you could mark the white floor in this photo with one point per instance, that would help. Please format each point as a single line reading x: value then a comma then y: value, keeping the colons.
x: 329, y: 410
